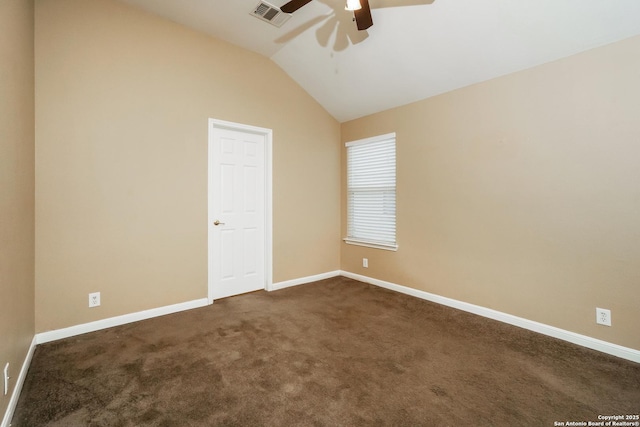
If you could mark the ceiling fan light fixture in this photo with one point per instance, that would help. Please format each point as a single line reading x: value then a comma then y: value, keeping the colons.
x: 353, y: 5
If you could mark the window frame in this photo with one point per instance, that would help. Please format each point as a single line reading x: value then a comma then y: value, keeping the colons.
x: 359, y: 240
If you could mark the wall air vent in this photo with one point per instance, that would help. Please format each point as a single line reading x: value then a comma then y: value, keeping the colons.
x: 271, y: 14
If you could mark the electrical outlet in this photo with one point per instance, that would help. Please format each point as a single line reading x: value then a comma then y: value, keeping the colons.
x: 603, y: 316
x: 6, y: 378
x: 94, y: 299
x: 365, y: 262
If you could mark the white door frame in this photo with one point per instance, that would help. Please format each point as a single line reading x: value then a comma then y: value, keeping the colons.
x: 215, y: 124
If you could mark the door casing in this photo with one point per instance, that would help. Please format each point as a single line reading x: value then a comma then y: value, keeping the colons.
x: 215, y: 124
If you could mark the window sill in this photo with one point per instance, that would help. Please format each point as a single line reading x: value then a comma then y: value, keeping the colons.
x: 375, y: 245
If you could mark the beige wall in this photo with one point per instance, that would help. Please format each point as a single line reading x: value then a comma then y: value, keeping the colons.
x: 522, y: 194
x: 122, y: 102
x: 16, y: 187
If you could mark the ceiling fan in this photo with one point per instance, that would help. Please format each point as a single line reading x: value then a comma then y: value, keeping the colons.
x: 360, y: 8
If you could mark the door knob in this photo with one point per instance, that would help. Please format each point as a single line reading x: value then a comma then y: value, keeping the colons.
x: 216, y: 222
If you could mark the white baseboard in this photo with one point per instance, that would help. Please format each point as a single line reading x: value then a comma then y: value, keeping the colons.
x: 552, y: 331
x: 84, y: 328
x: 110, y: 322
x: 44, y: 337
x: 303, y: 280
x: 13, y: 402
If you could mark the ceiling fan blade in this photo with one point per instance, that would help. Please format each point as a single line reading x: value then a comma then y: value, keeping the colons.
x: 363, y: 16
x: 378, y: 4
x: 293, y: 5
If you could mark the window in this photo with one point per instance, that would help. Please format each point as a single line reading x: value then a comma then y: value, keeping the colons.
x: 371, y: 192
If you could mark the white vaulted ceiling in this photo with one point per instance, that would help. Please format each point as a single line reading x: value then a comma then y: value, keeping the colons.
x: 411, y: 52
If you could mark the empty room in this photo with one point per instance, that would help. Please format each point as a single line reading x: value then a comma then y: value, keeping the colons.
x: 246, y: 213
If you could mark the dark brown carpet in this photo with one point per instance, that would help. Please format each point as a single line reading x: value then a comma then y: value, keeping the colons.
x: 332, y: 353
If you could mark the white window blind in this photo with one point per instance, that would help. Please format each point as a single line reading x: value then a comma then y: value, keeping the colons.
x: 371, y: 192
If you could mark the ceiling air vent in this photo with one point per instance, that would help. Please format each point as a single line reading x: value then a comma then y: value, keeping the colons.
x: 271, y: 14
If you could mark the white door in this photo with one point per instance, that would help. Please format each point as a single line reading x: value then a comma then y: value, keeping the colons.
x: 237, y: 209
